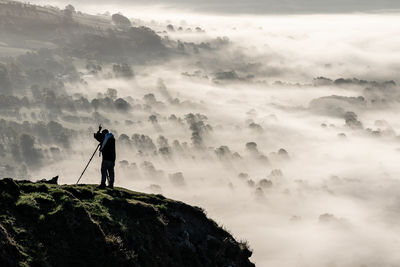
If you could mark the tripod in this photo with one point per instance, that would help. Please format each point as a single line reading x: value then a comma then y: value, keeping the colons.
x: 88, y: 163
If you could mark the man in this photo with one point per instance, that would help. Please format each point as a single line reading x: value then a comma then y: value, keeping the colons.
x: 107, y: 149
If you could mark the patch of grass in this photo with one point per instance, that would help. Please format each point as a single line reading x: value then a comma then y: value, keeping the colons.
x: 42, y: 218
x: 6, y: 219
x: 101, y: 196
x: 244, y: 244
x: 42, y: 198
x: 57, y: 192
x: 162, y: 207
x: 123, y: 227
x: 33, y: 187
x: 97, y: 211
x: 4, y: 196
x: 57, y: 209
x: 28, y: 201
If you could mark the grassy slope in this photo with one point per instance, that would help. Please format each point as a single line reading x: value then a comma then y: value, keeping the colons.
x: 80, y: 225
x: 15, y: 8
x: 82, y: 35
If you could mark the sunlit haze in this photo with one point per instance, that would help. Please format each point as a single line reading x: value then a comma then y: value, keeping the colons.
x: 283, y: 126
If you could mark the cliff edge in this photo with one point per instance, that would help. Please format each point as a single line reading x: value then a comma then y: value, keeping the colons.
x: 79, y: 225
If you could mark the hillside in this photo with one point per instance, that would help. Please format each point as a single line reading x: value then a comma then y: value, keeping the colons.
x: 79, y: 225
x: 73, y: 33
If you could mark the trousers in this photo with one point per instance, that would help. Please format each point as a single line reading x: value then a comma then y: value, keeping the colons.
x: 107, y: 167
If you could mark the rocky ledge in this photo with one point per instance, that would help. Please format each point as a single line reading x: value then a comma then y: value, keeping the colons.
x: 44, y: 224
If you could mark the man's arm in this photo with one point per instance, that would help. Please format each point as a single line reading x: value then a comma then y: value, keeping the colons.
x: 98, y: 136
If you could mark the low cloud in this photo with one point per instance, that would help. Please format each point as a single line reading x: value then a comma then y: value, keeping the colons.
x: 284, y: 128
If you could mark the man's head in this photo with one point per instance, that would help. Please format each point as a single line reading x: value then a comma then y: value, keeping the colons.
x: 105, y: 131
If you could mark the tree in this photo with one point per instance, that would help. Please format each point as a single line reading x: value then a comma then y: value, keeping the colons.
x: 68, y: 13
x: 5, y: 82
x: 352, y: 121
x: 112, y: 93
x: 153, y: 119
x: 121, y: 105
x: 123, y: 70
x: 121, y: 21
x: 29, y: 153
x: 170, y: 28
x: 71, y: 8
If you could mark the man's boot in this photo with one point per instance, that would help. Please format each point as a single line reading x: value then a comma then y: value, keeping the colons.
x: 101, y: 186
x: 111, y: 186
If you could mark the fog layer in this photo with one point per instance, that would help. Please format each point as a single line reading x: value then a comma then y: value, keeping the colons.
x: 283, y: 128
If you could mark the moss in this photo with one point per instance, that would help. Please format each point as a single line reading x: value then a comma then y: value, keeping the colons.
x: 42, y: 217
x: 33, y: 187
x: 5, y: 197
x: 27, y: 201
x: 97, y: 211
x: 57, y: 209
x: 162, y: 207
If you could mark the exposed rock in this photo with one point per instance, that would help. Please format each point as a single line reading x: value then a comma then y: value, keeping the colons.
x: 53, y: 180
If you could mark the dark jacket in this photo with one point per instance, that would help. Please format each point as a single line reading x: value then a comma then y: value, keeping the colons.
x: 108, y: 151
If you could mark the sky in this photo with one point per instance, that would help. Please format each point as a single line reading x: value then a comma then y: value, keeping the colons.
x: 255, y: 6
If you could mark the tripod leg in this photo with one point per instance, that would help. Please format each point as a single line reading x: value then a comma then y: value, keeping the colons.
x: 88, y: 163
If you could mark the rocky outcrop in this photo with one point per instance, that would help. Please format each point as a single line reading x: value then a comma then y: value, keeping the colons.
x: 44, y: 224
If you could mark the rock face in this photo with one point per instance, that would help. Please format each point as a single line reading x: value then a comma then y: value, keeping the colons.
x: 45, y: 224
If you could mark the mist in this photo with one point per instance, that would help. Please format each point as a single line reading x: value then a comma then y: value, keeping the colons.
x: 251, y: 6
x: 284, y: 128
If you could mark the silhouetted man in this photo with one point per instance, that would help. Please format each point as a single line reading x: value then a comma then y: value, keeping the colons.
x: 107, y: 149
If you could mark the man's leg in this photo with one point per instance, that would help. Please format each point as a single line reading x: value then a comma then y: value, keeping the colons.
x: 103, y: 173
x: 111, y: 174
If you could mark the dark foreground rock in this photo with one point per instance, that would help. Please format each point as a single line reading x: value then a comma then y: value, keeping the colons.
x: 45, y: 224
